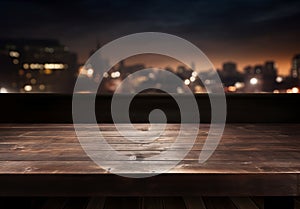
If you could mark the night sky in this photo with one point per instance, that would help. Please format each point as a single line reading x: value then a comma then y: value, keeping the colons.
x: 247, y: 32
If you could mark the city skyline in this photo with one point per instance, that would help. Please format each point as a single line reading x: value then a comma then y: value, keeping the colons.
x: 283, y: 62
x: 160, y: 61
x: 35, y: 65
x: 163, y: 62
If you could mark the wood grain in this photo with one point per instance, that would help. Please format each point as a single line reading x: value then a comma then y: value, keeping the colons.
x: 251, y: 159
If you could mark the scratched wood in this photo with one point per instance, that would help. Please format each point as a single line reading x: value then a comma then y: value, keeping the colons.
x: 265, y: 155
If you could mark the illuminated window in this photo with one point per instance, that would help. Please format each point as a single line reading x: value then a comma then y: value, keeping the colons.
x: 14, y: 54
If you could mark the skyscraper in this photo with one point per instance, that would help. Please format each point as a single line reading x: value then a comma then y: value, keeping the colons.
x: 38, y: 65
x: 295, y: 71
x: 269, y: 75
x: 230, y: 74
x: 230, y: 68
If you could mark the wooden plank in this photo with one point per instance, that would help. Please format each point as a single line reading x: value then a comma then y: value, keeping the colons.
x: 55, y: 202
x: 188, y: 167
x: 236, y: 127
x: 218, y: 203
x: 96, y: 203
x: 31, y: 146
x: 194, y: 203
x: 122, y: 203
x: 263, y: 154
x: 241, y: 143
x: 243, y: 203
x: 259, y: 201
x: 173, y: 203
x: 285, y: 162
x: 76, y: 203
x: 152, y: 203
x: 46, y: 129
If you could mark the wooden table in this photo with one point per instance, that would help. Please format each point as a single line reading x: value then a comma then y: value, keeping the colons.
x: 251, y: 160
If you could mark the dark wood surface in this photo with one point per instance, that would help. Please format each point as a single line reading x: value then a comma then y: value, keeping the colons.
x: 133, y: 203
x: 185, y: 202
x: 251, y: 160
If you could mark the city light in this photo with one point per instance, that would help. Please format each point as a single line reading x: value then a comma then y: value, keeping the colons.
x: 49, y: 50
x: 42, y: 87
x: 39, y: 66
x: 231, y: 88
x: 279, y: 79
x: 31, y: 65
x: 105, y: 75
x: 36, y: 66
x: 28, y: 88
x: 48, y: 71
x: 90, y: 72
x: 3, y: 90
x: 25, y: 66
x: 36, y: 71
x: 253, y: 81
x: 295, y: 90
x: 28, y: 75
x: 187, y: 82
x: 21, y: 72
x: 192, y: 79
x: 207, y: 82
x: 33, y: 81
x: 198, y: 89
x: 116, y: 74
x: 151, y: 75
x: 180, y: 90
x: 14, y: 54
x: 15, y: 61
x: 54, y: 66
x: 239, y: 85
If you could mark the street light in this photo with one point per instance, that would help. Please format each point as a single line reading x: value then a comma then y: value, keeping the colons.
x: 253, y: 81
x: 3, y: 90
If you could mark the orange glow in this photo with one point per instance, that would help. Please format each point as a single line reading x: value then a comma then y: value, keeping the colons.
x: 48, y: 71
x: 294, y: 90
x: 232, y: 88
x: 240, y: 55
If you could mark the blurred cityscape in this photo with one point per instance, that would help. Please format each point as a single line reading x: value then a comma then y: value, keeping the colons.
x: 37, y: 66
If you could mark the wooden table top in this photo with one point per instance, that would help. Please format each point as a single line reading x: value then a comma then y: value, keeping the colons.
x: 251, y: 159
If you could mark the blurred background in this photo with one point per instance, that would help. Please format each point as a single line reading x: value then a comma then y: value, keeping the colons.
x: 254, y: 45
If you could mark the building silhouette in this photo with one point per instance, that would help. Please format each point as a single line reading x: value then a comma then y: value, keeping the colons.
x: 230, y: 74
x: 38, y: 65
x: 295, y: 70
x: 269, y: 74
